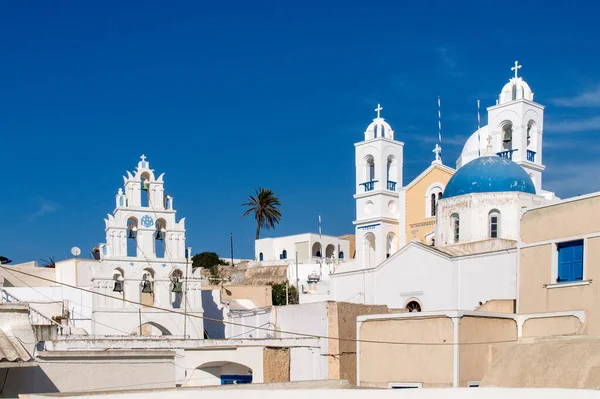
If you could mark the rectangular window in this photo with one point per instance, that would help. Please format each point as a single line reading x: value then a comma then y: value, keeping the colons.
x: 456, y: 229
x: 570, y: 261
x: 404, y: 385
x: 493, y: 226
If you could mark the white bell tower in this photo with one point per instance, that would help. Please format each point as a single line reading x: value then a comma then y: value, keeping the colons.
x: 379, y: 160
x: 516, y: 124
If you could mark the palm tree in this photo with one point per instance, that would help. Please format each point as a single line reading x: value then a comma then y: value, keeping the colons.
x: 265, y: 206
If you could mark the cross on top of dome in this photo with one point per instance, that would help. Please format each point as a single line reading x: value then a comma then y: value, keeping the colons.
x: 378, y: 110
x: 516, y: 68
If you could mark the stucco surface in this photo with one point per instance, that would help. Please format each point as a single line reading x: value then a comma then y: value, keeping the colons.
x: 276, y: 364
x: 572, y: 362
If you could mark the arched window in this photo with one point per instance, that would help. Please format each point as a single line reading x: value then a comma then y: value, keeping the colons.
x: 316, y: 250
x: 413, y: 306
x: 176, y: 288
x: 145, y: 189
x: 433, y: 196
x: 341, y: 255
x: 329, y: 250
x: 369, y: 169
x: 159, y: 238
x: 147, y: 287
x: 507, y: 136
x: 132, y: 237
x: 369, y: 250
x: 260, y: 256
x: 392, y: 244
x: 121, y: 201
x: 494, y: 223
x: 392, y: 175
x: 119, y: 283
x: 284, y: 254
x: 456, y: 227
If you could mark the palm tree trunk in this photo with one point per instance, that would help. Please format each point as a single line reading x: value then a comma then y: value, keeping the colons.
x: 257, y: 231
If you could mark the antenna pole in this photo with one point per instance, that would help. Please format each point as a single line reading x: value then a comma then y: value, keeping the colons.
x: 297, y: 278
x: 478, y: 127
x: 185, y: 291
x: 231, y: 243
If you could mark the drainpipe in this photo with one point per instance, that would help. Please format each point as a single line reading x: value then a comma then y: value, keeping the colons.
x: 455, y: 364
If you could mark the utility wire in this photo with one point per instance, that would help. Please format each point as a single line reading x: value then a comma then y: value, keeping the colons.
x: 299, y: 334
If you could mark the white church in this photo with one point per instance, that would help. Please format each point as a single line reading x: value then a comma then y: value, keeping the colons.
x: 143, y: 265
x: 468, y: 216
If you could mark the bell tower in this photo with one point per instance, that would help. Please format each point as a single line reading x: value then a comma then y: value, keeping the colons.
x: 143, y: 224
x: 516, y: 124
x: 379, y: 160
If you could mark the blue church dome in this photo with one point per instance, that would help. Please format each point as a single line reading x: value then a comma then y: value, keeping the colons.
x: 489, y: 174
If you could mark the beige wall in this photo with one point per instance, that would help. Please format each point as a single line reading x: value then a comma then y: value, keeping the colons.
x: 552, y: 326
x: 276, y: 364
x: 498, y: 306
x: 416, y: 203
x: 476, y: 359
x: 565, y: 219
x: 557, y: 223
x: 431, y: 365
x: 341, y: 318
x: 15, y: 279
x: 259, y: 294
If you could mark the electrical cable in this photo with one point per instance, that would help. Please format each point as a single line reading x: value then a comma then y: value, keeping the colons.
x: 299, y: 334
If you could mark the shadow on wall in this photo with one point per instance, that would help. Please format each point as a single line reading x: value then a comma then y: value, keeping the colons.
x: 24, y: 380
x: 211, y: 309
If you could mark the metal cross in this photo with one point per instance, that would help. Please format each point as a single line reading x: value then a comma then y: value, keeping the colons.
x: 378, y: 109
x: 143, y: 157
x: 516, y: 68
x: 437, y: 150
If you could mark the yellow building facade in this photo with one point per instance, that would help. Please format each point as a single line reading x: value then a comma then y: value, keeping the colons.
x: 421, y: 196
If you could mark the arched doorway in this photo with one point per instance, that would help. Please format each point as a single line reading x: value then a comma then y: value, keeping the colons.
x: 220, y: 373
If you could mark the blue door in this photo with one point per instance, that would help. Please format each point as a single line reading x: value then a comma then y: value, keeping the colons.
x: 236, y: 379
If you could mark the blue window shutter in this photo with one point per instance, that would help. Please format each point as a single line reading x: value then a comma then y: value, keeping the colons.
x: 565, y: 263
x: 570, y: 261
x: 578, y: 260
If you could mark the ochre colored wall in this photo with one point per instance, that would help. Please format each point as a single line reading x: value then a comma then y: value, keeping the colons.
x: 341, y: 317
x: 562, y: 220
x: 430, y: 365
x: 552, y: 326
x: 558, y: 223
x: 483, y: 341
x: 416, y: 201
x: 276, y: 364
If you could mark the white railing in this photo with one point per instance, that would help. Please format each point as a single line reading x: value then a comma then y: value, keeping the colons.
x: 35, y: 318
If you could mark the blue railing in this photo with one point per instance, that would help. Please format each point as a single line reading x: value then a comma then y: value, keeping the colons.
x: 531, y: 156
x: 391, y: 185
x: 369, y: 186
x: 506, y: 154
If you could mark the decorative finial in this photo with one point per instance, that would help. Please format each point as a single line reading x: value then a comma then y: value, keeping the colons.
x: 120, y: 192
x: 143, y: 157
x: 378, y: 109
x: 437, y: 150
x: 516, y: 68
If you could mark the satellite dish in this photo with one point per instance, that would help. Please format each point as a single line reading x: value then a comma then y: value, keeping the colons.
x: 75, y: 251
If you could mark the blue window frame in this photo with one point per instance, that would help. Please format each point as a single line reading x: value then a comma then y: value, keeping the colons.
x: 570, y: 261
x: 260, y: 256
x: 236, y: 379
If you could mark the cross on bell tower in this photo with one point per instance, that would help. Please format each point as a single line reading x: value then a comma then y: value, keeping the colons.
x: 516, y: 68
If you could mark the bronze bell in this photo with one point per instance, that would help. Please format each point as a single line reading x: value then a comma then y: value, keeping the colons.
x: 145, y: 185
x: 147, y: 288
x: 131, y: 233
x: 176, y: 286
x: 118, y: 286
x: 160, y: 236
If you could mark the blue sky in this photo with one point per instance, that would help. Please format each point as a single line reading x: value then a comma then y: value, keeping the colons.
x: 228, y: 96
